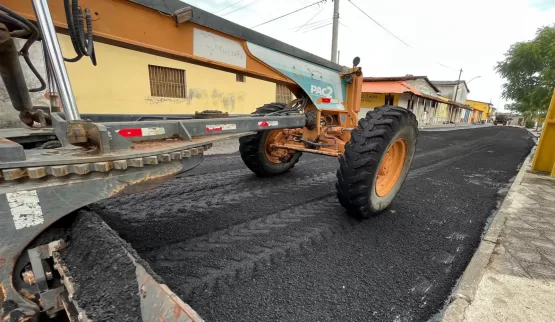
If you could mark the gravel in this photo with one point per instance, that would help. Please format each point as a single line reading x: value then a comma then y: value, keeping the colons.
x: 103, y: 274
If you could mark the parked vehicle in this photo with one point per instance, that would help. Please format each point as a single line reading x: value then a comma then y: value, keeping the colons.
x: 501, y: 119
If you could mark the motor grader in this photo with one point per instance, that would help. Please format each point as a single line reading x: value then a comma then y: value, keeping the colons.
x: 44, y: 191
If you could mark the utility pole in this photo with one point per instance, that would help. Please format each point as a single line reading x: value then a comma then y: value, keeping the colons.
x: 489, y: 111
x: 457, y: 88
x: 335, y: 32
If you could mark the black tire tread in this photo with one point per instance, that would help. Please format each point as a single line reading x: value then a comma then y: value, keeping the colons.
x: 363, y: 153
x: 249, y: 145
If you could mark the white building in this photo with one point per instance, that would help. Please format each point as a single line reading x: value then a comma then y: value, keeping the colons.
x: 449, y: 88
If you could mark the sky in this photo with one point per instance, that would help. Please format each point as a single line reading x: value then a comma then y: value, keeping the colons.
x: 438, y: 37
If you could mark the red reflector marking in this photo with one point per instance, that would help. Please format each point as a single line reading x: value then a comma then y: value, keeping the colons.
x: 131, y: 132
x: 326, y: 100
x: 212, y: 129
x: 263, y: 123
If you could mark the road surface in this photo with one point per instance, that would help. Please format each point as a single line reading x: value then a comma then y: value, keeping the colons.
x: 240, y: 248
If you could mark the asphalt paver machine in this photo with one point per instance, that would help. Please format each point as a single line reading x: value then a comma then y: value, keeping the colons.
x: 87, y: 158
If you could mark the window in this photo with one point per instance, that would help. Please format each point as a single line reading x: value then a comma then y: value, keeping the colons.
x: 240, y: 78
x: 283, y: 94
x: 167, y: 82
x: 389, y: 99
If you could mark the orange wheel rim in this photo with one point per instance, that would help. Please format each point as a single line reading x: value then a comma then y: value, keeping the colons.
x: 391, y: 167
x: 272, y: 137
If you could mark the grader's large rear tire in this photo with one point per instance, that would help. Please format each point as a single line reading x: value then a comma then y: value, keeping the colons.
x: 255, y: 149
x: 377, y: 160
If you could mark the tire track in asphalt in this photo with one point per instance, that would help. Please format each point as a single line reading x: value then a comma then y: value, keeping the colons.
x: 206, y: 254
x: 213, y: 190
x: 206, y: 261
x: 431, y: 167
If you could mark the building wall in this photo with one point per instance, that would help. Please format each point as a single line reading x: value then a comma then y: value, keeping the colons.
x: 442, y: 113
x: 120, y: 84
x: 449, y: 91
x: 478, y: 106
x: 423, y: 86
x: 369, y: 101
x: 403, y: 100
x: 466, y: 116
x: 9, y: 117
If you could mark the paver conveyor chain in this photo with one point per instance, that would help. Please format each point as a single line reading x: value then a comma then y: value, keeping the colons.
x: 102, y: 166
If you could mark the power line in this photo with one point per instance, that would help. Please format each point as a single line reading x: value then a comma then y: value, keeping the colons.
x: 309, y: 20
x: 243, y: 7
x: 377, y: 23
x: 311, y: 24
x: 322, y: 26
x: 343, y: 25
x: 319, y: 25
x: 392, y: 34
x: 231, y: 5
x: 290, y: 13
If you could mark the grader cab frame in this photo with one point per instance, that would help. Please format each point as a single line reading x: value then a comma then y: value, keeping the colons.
x: 100, y: 158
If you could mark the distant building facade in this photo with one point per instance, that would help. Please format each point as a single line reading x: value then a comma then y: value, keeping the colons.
x: 415, y: 93
x: 449, y: 89
x: 481, y: 111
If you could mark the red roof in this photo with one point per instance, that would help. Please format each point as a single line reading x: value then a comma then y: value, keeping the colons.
x: 397, y: 87
x: 386, y: 87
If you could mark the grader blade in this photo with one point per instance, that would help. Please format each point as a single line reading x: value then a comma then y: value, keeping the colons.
x: 109, y: 281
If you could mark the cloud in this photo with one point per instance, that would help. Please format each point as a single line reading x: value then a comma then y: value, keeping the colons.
x: 470, y: 34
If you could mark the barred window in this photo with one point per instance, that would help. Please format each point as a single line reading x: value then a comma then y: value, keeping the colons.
x: 167, y: 82
x: 283, y: 94
x: 240, y: 78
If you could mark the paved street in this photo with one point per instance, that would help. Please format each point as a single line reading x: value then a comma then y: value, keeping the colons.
x: 240, y: 248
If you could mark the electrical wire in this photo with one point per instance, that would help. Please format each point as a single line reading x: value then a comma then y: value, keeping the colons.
x: 312, y: 24
x: 309, y: 20
x: 319, y: 24
x: 231, y: 5
x: 379, y: 24
x: 343, y: 24
x: 391, y: 33
x: 290, y: 13
x: 243, y: 7
x: 315, y: 26
x: 322, y: 26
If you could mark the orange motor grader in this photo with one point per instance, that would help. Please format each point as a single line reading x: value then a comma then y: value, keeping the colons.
x: 98, y: 156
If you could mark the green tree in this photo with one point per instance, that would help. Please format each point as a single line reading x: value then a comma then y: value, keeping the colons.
x: 529, y: 72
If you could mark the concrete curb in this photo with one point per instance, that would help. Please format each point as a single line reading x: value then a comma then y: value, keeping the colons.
x: 465, y: 290
x: 452, y: 128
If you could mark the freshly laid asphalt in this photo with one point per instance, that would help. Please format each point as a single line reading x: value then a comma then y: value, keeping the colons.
x: 240, y: 248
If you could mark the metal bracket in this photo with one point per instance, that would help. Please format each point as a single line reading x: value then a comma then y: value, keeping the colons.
x: 11, y: 151
x: 183, y: 133
x: 182, y: 15
x: 50, y: 298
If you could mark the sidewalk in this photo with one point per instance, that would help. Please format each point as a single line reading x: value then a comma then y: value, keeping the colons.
x: 512, y: 274
x: 450, y: 127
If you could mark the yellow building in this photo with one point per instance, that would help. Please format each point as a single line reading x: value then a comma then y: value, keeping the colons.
x: 480, y: 110
x: 443, y: 109
x: 131, y: 82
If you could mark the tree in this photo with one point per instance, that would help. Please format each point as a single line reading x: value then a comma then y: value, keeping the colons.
x: 529, y: 72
